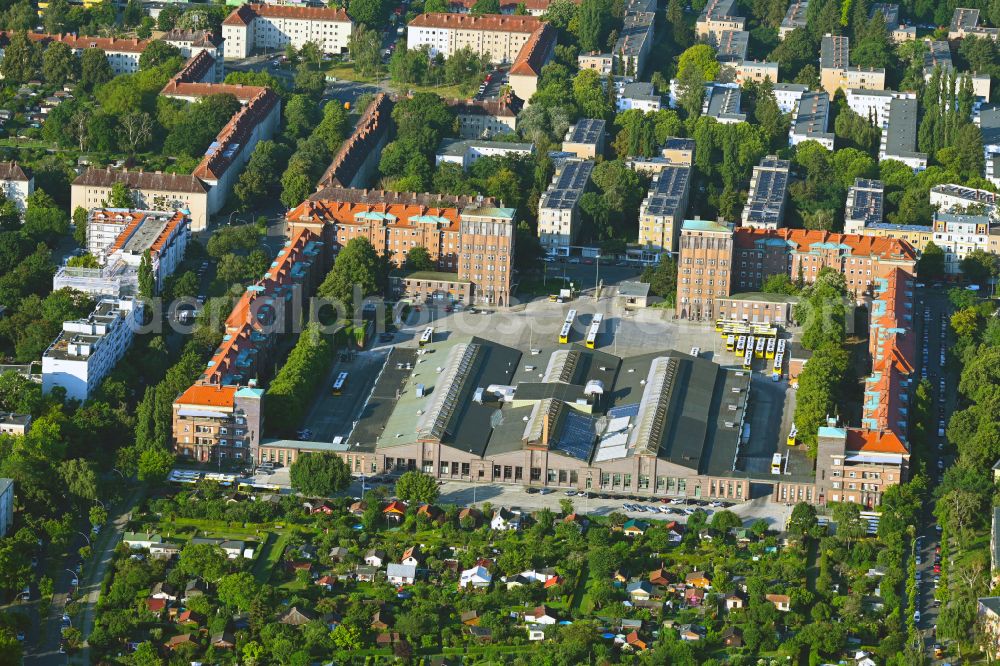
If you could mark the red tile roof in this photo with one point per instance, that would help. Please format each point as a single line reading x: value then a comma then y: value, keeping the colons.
x: 886, y: 248
x: 245, y: 14
x: 207, y: 396
x: 491, y: 22
x: 535, y: 53
x: 874, y: 441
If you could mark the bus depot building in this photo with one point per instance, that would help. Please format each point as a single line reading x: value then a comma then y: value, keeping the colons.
x: 660, y: 424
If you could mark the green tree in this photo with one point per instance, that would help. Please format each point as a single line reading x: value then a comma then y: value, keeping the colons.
x: 21, y: 59
x: 120, y: 196
x: 414, y: 486
x: 370, y: 13
x: 59, y: 64
x: 157, y: 53
x: 593, y: 24
x: 779, y: 283
x: 486, y: 7
x: 203, y: 560
x: 94, y: 69
x: 357, y: 269
x: 80, y: 479
x: 319, y: 474
x: 237, y: 591
x: 803, y: 522
x: 978, y: 266
x: 154, y: 464
x: 365, y: 47
x: 723, y: 521
x: 662, y: 279
x: 930, y: 265
x: 419, y: 259
x: 147, y: 280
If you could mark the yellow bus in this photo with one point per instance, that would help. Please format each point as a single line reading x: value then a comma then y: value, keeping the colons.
x: 770, y: 348
x: 340, y: 383
x: 766, y: 330
x: 719, y: 324
x: 759, y: 348
x: 791, y: 436
x: 779, y: 360
x: 741, y: 344
x: 427, y: 336
x: 748, y: 359
x: 595, y: 324
x: 731, y: 343
x: 776, y: 463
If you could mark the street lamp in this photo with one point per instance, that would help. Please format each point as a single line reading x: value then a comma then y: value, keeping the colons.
x: 73, y: 574
x: 85, y: 537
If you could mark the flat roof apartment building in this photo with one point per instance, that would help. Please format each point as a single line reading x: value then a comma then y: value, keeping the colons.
x: 485, y: 118
x: 704, y: 272
x: 811, y: 120
x: 865, y: 205
x: 988, y: 121
x: 873, y: 105
x: 723, y: 102
x: 88, y: 349
x: 787, y: 95
x: 661, y: 214
x: 472, y: 237
x: 795, y: 18
x: 635, y: 41
x: 253, y: 27
x: 559, y: 205
x: 835, y: 70
x: 765, y: 207
x: 899, y: 135
x: 585, y: 139
x: 965, y: 23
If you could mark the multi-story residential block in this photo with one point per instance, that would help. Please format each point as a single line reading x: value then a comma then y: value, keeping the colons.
x: 889, y: 12
x: 559, y: 205
x: 951, y: 198
x: 88, y: 349
x: 640, y: 95
x: 873, y: 105
x: 15, y: 424
x: 499, y: 37
x: 585, y: 139
x: 765, y: 207
x: 899, y: 135
x: 522, y: 77
x: 482, y: 119
x: 795, y: 18
x: 193, y: 42
x: 471, y: 237
x: 532, y: 7
x: 16, y: 184
x: 677, y: 150
x: 717, y: 17
x: 603, y: 63
x: 801, y: 254
x: 835, y: 70
x: 965, y: 23
x: 704, y: 271
x: 149, y: 191
x: 787, y: 95
x: 959, y: 235
x: 466, y: 152
x: 6, y: 506
x: 937, y: 56
x: 732, y: 46
x: 635, y: 41
x: 988, y: 121
x: 220, y: 416
x: 272, y: 27
x: 757, y: 71
x: 122, y: 54
x: 119, y: 238
x: 864, y: 205
x: 356, y: 161
x: 811, y: 120
x: 855, y: 465
x: 661, y: 214
x: 722, y: 102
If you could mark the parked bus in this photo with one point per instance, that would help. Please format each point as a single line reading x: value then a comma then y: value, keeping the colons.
x: 340, y: 383
x: 759, y: 348
x: 567, y: 326
x: 719, y: 325
x: 792, y: 435
x: 427, y: 336
x: 741, y: 344
x: 748, y: 359
x: 770, y: 347
x: 776, y: 463
x: 776, y: 367
x: 595, y: 324
x: 781, y: 345
x: 731, y: 343
x: 766, y: 330
x: 695, y: 351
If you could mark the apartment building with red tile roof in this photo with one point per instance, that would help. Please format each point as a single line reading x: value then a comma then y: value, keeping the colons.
x: 267, y: 26
x: 220, y: 415
x: 470, y: 237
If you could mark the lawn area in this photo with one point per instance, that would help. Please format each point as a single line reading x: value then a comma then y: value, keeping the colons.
x: 345, y: 71
x: 269, y: 555
x: 535, y: 286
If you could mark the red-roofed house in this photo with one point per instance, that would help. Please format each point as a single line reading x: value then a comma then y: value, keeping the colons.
x: 394, y: 511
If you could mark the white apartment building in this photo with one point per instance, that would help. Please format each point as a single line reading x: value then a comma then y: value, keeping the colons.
x: 193, y: 42
x: 874, y: 104
x: 811, y: 120
x: 121, y: 236
x: 15, y: 184
x: 466, y: 152
x: 12, y: 423
x: 951, y: 198
x: 558, y: 207
x: 988, y: 121
x: 88, y: 349
x: 899, y: 135
x: 640, y: 95
x: 958, y: 235
x: 272, y: 27
x: 787, y: 95
x: 498, y: 36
